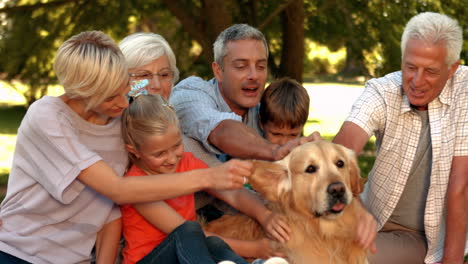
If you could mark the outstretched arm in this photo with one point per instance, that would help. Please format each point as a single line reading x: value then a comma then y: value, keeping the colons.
x: 351, y: 136
x: 457, y: 208
x: 239, y: 140
x: 122, y: 190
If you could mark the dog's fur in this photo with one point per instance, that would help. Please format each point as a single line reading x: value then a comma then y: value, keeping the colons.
x: 316, y: 188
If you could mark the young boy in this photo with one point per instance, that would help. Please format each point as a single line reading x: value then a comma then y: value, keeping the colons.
x: 284, y: 109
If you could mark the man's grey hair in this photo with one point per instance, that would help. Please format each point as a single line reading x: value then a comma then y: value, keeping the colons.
x: 233, y: 33
x: 435, y: 28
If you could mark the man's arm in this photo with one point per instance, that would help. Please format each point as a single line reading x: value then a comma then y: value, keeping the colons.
x: 457, y: 206
x: 351, y: 136
x: 354, y: 137
x: 240, y: 141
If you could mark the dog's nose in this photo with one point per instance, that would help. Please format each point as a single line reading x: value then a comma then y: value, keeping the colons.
x: 336, y: 189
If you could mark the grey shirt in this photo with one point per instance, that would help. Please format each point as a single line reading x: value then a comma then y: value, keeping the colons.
x: 409, y: 211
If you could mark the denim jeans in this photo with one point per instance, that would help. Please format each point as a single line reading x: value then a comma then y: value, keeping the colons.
x: 6, y: 258
x: 187, y: 244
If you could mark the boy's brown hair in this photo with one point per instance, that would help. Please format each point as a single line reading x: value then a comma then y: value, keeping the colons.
x: 285, y: 102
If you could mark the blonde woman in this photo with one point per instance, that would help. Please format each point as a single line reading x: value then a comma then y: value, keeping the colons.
x: 69, y: 159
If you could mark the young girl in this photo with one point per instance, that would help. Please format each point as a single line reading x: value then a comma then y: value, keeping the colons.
x: 164, y: 231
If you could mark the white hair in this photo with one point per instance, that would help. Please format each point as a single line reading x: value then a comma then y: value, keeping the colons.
x: 435, y: 28
x: 233, y: 33
x: 141, y: 48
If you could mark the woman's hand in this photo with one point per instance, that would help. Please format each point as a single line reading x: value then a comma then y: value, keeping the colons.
x: 276, y: 227
x: 230, y: 175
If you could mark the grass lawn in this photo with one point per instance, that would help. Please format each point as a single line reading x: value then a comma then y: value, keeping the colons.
x: 326, y: 116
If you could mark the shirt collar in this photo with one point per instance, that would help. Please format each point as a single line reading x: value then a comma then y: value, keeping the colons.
x: 443, y: 98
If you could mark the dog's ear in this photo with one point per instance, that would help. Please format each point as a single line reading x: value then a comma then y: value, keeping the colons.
x: 266, y: 179
x: 357, y: 183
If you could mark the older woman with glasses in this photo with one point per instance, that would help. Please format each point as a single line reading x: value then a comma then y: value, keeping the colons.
x: 153, y: 70
x: 151, y: 63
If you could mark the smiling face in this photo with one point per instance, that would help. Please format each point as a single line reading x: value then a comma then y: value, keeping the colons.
x: 424, y: 72
x: 159, y: 75
x: 243, y: 74
x: 160, y: 153
x: 114, y: 105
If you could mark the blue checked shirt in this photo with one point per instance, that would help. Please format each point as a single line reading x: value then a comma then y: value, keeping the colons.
x: 201, y: 107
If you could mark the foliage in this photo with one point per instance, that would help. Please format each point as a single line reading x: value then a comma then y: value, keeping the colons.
x: 365, y: 26
x: 369, y: 31
x: 11, y: 117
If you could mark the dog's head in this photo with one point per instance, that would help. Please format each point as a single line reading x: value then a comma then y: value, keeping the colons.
x: 317, y: 178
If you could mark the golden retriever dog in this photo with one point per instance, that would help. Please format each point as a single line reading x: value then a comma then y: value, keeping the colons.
x: 316, y: 188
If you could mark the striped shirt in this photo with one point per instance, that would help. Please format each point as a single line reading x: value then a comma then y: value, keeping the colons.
x: 384, y: 111
x: 48, y: 215
x: 201, y: 107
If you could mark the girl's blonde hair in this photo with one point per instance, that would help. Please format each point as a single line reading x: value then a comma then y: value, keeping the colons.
x: 146, y: 116
x: 91, y: 66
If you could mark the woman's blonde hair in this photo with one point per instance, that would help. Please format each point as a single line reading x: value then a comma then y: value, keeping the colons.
x: 146, y: 116
x: 142, y: 48
x: 91, y: 66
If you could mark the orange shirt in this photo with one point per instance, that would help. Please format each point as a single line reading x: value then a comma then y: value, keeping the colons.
x: 141, y: 237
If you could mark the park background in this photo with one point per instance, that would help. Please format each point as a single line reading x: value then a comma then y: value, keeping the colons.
x: 332, y: 46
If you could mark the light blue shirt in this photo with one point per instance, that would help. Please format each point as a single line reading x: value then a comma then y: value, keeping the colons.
x: 201, y: 107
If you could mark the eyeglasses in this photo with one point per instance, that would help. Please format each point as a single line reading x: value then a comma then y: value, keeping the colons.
x: 163, y: 76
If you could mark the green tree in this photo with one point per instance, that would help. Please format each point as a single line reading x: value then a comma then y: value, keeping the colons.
x: 367, y: 26
x: 33, y: 30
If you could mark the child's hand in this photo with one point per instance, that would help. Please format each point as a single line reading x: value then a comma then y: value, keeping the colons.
x: 276, y: 227
x: 264, y: 249
x: 231, y: 175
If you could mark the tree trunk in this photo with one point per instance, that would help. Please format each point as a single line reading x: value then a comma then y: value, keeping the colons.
x: 292, y: 54
x: 354, y: 64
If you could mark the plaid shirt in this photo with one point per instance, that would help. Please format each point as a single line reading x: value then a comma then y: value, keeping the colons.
x: 384, y: 111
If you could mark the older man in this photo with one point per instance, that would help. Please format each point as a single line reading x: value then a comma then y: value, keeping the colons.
x: 419, y: 115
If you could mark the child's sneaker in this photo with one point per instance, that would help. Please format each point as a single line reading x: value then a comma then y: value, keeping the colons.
x: 273, y: 260
x: 226, y: 262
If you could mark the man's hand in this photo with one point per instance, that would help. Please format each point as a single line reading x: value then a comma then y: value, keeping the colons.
x: 366, y: 231
x: 282, y: 150
x: 230, y: 175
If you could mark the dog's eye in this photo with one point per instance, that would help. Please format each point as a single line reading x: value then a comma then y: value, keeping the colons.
x: 311, y: 169
x: 339, y: 163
